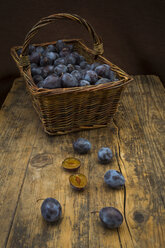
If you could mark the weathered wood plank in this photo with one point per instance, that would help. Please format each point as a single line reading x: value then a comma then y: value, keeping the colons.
x: 50, y: 180
x: 17, y: 135
x: 136, y: 138
x: 16, y: 121
x: 140, y: 122
x: 103, y: 195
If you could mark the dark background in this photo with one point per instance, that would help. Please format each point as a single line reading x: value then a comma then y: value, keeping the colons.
x: 132, y: 32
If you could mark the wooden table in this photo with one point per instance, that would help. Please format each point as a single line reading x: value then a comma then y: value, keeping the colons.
x: 30, y: 171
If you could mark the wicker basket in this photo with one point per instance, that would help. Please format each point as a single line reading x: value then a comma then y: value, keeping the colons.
x: 66, y: 110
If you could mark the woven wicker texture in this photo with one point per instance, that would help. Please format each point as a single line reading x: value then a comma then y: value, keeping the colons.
x: 65, y: 110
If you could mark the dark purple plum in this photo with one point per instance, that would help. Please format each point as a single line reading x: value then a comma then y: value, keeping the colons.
x: 112, y: 76
x: 51, y: 48
x: 51, y: 210
x: 48, y: 58
x: 34, y: 58
x: 68, y: 80
x: 114, y: 179
x: 53, y: 56
x: 105, y: 155
x: 37, y: 78
x: 64, y: 52
x: 57, y: 56
x: 60, y: 61
x: 33, y: 65
x: 47, y: 70
x: 82, y: 146
x: 31, y: 49
x: 52, y: 82
x: 60, y: 69
x: 111, y: 217
x: 36, y: 71
x: 84, y: 83
x: 103, y: 70
x: 94, y: 65
x: 44, y: 61
x: 102, y: 81
x: 83, y: 64
x: 40, y: 49
x: 60, y: 45
x: 70, y: 59
x: 77, y: 67
x: 70, y: 68
x: 40, y: 84
x: 76, y: 74
x: 107, y: 66
x: 88, y: 67
x: 45, y: 73
x: 81, y: 58
x: 77, y: 57
x: 83, y: 72
x: 91, y: 77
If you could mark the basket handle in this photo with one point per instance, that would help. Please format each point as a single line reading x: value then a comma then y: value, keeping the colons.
x: 97, y: 42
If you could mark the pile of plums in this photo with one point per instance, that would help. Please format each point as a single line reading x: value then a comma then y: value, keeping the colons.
x: 60, y: 66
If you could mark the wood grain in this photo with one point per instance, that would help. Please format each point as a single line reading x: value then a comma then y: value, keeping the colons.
x: 31, y: 171
x: 17, y: 135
